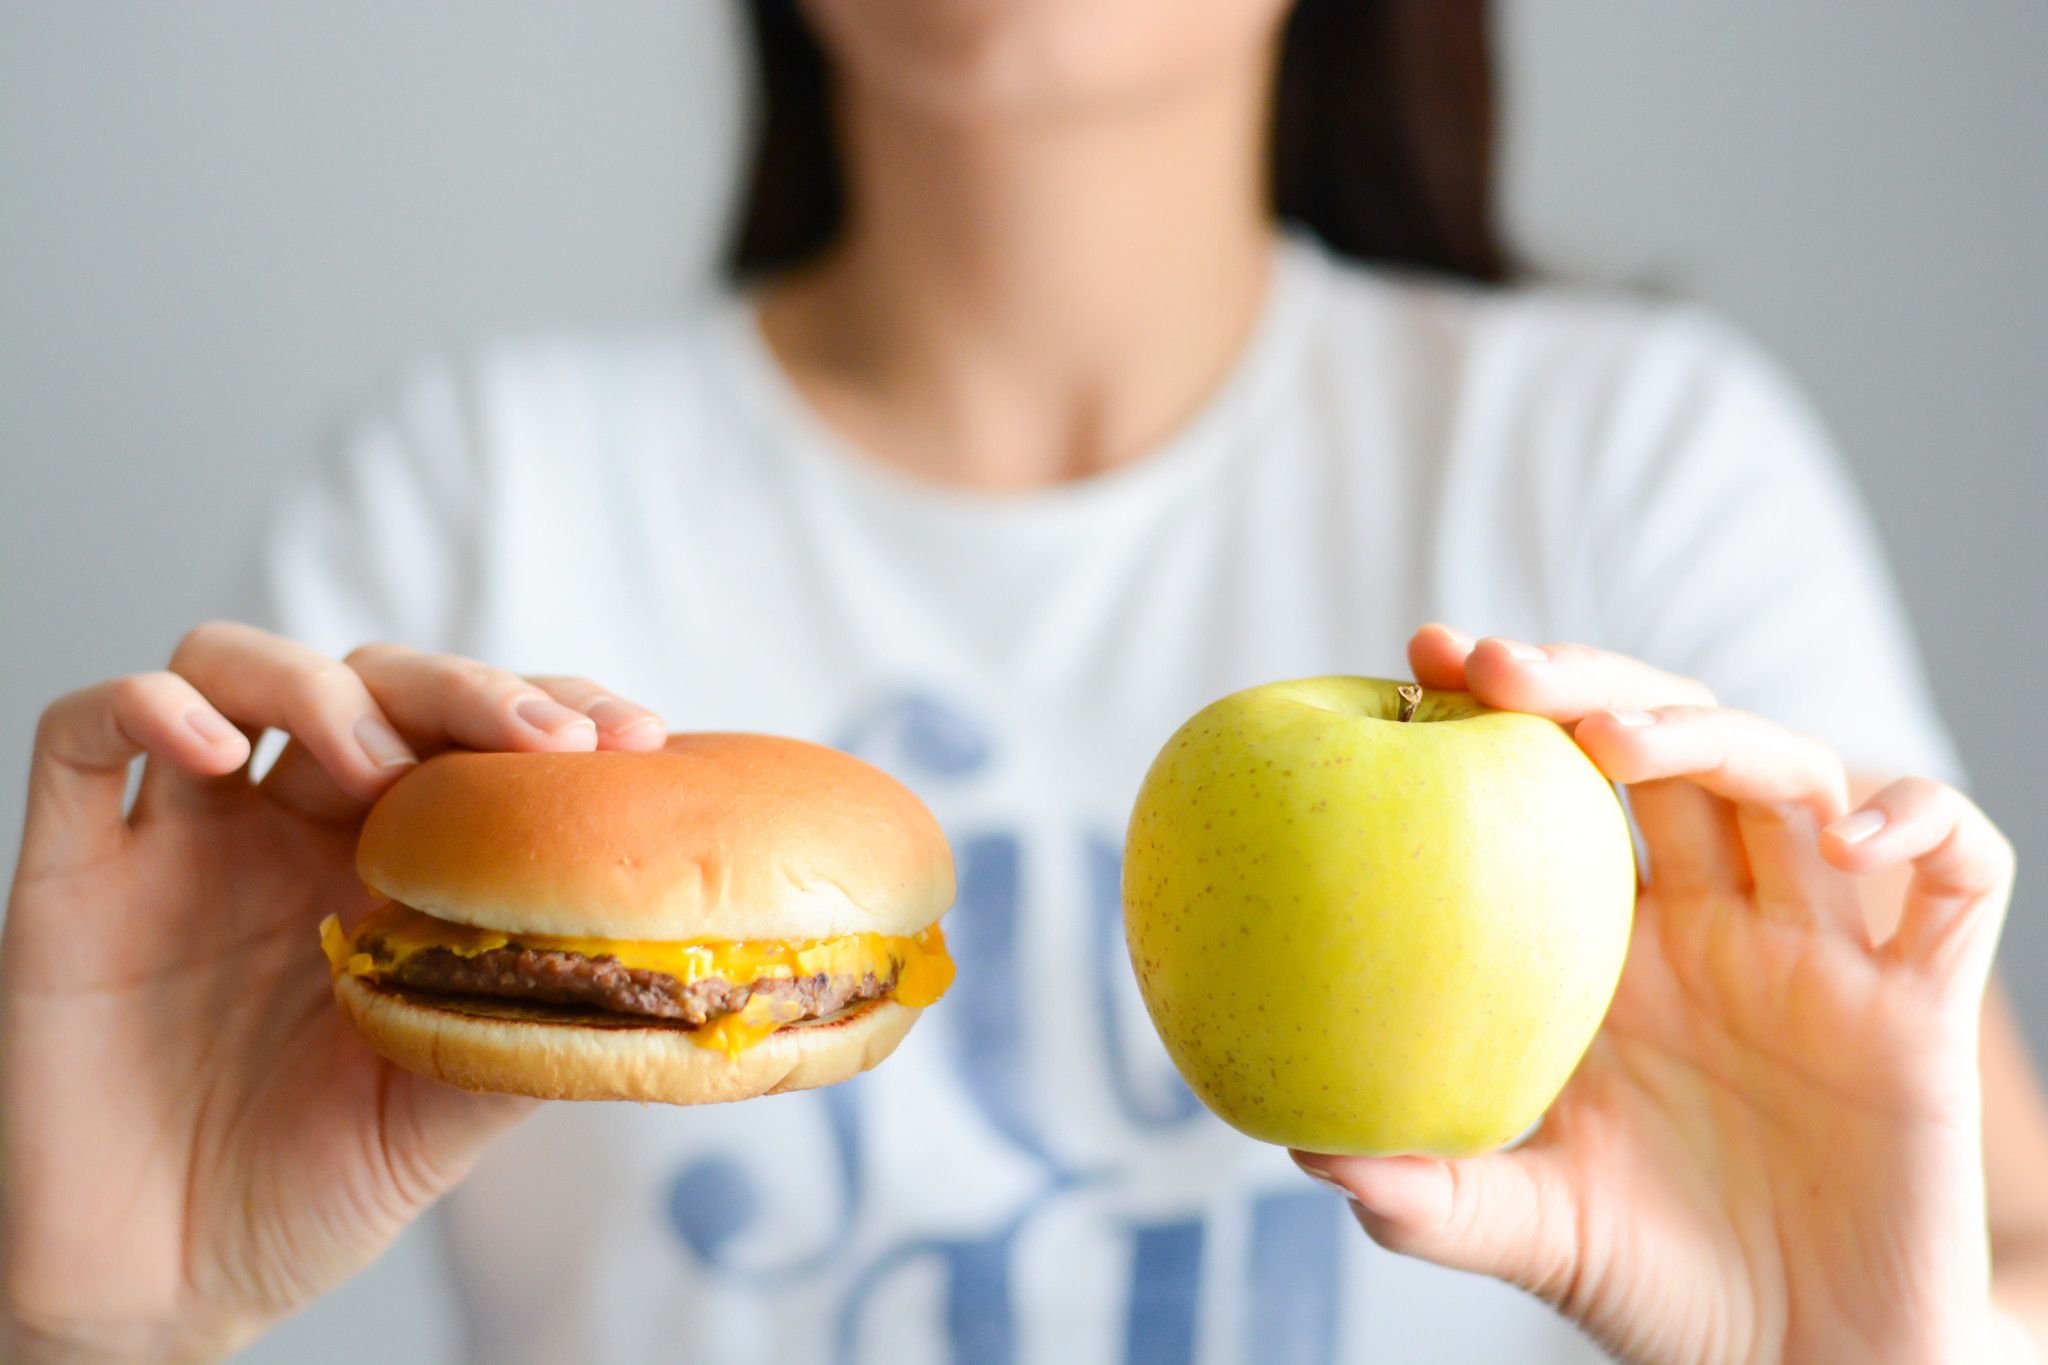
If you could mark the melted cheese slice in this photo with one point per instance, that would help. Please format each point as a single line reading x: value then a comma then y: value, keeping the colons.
x: 923, y: 968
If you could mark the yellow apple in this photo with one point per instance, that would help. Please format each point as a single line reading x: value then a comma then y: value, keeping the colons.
x: 1363, y: 933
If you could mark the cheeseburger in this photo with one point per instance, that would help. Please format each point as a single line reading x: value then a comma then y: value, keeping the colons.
x: 731, y: 916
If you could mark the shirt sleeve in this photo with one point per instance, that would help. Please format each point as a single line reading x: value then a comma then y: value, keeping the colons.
x: 379, y: 541
x: 1728, y: 543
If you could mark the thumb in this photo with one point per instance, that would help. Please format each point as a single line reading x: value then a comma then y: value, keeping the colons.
x: 1505, y: 1214
x: 433, y: 1133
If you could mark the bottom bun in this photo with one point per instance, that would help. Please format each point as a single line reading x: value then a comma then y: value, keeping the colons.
x: 556, y: 1054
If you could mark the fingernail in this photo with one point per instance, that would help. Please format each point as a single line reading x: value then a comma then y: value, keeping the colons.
x: 381, y: 744
x: 1457, y: 637
x: 550, y: 717
x: 1528, y: 654
x: 1632, y: 718
x: 617, y: 716
x: 1321, y: 1176
x: 209, y: 725
x: 1857, y: 825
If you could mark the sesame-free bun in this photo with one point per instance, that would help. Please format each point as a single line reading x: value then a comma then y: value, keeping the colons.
x: 507, y: 1048
x: 715, y: 836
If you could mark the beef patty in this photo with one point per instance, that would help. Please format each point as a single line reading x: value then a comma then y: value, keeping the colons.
x: 517, y: 973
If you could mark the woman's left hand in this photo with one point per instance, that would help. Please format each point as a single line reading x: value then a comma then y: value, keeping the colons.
x: 1772, y: 1151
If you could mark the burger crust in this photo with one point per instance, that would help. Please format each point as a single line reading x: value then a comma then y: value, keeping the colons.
x: 714, y: 837
x: 501, y: 1048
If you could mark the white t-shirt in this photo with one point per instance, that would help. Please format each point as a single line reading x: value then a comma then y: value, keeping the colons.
x: 1026, y: 1179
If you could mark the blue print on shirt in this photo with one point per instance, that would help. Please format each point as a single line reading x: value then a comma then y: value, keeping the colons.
x: 1289, y: 1276
x: 976, y: 1271
x: 1166, y: 1263
x: 990, y: 1017
x: 1170, y: 1103
x: 712, y: 1202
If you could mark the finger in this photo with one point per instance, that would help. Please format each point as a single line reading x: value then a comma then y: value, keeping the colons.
x: 445, y: 1127
x: 1436, y: 656
x: 1784, y: 786
x: 1567, y: 682
x: 296, y: 780
x: 1737, y: 756
x: 1510, y: 1215
x: 1691, y: 840
x: 1962, y: 874
x: 264, y: 681
x: 620, y: 724
x: 1690, y: 836
x: 439, y: 700
x: 78, y: 774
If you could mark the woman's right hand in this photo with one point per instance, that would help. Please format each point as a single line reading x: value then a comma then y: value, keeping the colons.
x: 192, y: 1141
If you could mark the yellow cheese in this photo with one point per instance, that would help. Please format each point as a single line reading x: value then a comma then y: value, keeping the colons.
x: 735, y: 1033
x: 335, y: 944
x: 922, y: 968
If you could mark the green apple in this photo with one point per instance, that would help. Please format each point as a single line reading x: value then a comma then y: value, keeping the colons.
x: 1368, y: 919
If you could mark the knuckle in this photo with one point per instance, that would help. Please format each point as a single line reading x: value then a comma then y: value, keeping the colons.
x: 480, y: 679
x: 308, y: 717
x: 372, y: 653
x: 1925, y: 792
x: 1827, y: 762
x: 75, y: 716
x: 1396, y: 1235
x: 2002, y: 854
x: 317, y: 688
x: 136, y: 691
x: 52, y: 720
x: 1807, y: 740
x: 1687, y: 688
x: 205, y: 638
x: 1683, y: 690
x: 330, y: 677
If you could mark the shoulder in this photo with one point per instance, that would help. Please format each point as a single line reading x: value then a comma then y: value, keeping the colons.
x: 1583, y: 407
x: 1596, y: 367
x: 493, y: 474
x: 556, y: 397
x: 456, y: 442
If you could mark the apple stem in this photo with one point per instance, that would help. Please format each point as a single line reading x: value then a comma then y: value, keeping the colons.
x: 1411, y: 697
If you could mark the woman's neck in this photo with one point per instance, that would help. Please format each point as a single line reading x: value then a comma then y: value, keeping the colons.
x: 1018, y: 302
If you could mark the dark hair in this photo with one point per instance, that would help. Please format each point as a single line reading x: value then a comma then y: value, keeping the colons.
x: 1382, y: 137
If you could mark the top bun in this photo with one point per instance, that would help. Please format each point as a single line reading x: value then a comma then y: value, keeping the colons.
x: 716, y: 836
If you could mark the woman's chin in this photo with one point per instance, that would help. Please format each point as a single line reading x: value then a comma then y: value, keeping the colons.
x: 970, y: 59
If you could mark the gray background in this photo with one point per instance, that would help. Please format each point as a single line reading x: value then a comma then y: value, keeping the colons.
x: 223, y: 221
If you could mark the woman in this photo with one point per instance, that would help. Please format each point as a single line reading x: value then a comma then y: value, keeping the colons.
x: 1031, y: 431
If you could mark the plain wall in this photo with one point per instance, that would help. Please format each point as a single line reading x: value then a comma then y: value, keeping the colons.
x: 223, y: 221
